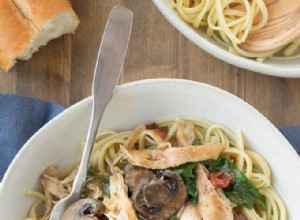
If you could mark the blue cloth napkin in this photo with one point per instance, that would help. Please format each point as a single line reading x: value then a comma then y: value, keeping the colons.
x: 21, y: 117
x: 292, y: 134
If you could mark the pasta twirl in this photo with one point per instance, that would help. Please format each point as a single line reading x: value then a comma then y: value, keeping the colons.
x: 174, y: 151
x: 230, y: 22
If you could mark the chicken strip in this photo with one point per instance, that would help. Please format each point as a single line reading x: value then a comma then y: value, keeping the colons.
x: 190, y: 212
x: 172, y: 157
x: 185, y: 134
x: 119, y: 206
x: 213, y: 205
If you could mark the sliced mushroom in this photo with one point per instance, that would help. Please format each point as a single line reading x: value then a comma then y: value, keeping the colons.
x: 84, y: 209
x: 159, y: 198
x: 134, y: 176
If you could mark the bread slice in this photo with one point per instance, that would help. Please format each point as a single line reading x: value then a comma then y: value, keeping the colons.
x: 52, y: 18
x: 45, y: 20
x: 16, y: 34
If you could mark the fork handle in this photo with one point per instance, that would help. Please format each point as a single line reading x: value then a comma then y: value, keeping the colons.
x: 107, y: 71
x: 109, y: 62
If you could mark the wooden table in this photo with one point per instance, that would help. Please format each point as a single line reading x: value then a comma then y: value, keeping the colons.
x: 62, y: 71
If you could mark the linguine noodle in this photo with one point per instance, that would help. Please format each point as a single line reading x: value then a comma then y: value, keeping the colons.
x: 230, y: 22
x: 109, y: 158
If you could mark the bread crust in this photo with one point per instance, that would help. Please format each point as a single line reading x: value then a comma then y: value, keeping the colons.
x: 41, y: 11
x: 15, y: 34
x: 21, y: 23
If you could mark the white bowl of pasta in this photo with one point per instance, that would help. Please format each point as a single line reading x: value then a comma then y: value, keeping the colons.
x: 201, y: 121
x: 184, y: 21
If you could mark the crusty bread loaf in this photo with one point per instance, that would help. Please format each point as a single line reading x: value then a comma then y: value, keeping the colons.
x: 41, y: 21
x: 15, y: 34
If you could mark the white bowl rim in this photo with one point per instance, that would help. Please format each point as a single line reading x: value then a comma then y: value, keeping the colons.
x: 220, y: 53
x: 85, y: 101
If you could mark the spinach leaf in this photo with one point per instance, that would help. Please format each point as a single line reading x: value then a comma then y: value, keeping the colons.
x: 242, y: 191
x: 186, y: 170
x: 189, y: 179
x: 192, y: 190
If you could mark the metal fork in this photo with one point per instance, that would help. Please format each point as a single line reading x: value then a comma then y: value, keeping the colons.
x: 109, y: 62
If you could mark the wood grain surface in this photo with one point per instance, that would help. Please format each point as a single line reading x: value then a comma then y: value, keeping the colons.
x: 62, y: 71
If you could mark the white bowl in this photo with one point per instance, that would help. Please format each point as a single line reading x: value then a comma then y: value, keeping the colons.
x: 143, y: 102
x: 288, y: 69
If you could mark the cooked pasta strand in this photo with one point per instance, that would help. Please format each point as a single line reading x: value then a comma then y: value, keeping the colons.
x: 230, y: 22
x: 111, y: 148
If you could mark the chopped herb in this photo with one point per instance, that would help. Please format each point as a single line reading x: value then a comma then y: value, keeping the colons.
x: 91, y: 175
x: 85, y: 192
x: 105, y: 185
x: 241, y: 191
x: 189, y: 179
x: 174, y: 218
x: 90, y: 172
x: 197, y: 142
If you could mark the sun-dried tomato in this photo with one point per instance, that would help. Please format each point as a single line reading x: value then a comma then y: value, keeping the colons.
x: 220, y: 179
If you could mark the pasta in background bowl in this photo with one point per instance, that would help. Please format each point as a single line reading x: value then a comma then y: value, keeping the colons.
x: 144, y: 102
x: 280, y: 68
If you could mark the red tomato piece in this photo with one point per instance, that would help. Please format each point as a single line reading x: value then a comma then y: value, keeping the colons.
x: 220, y: 179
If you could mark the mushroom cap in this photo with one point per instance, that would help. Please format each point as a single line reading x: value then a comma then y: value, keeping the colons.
x: 156, y: 194
x: 161, y: 197
x: 84, y: 209
x: 135, y: 174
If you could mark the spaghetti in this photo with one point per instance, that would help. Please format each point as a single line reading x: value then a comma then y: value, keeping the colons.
x: 229, y: 22
x: 113, y: 150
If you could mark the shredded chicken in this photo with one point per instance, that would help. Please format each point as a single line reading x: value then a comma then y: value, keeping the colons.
x: 50, y: 182
x: 49, y: 205
x: 190, y: 212
x: 185, y: 134
x: 211, y: 204
x: 134, y: 137
x: 68, y: 180
x: 119, y: 206
x: 172, y: 157
x: 54, y: 188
